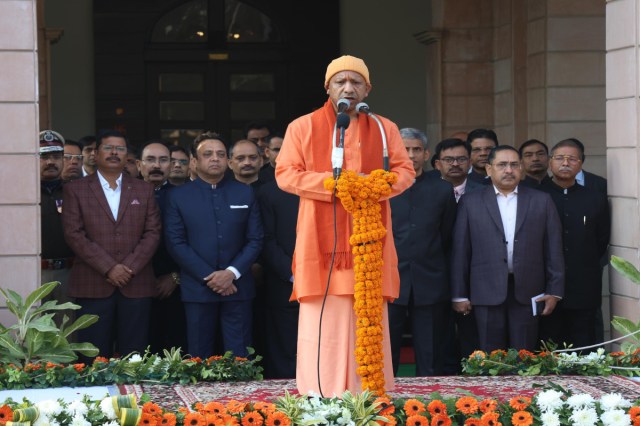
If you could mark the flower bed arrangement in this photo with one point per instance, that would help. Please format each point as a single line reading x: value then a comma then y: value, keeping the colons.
x: 171, y: 367
x: 553, y: 406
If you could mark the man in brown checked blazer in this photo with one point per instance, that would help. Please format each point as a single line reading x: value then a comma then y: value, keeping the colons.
x: 507, y: 249
x: 112, y: 223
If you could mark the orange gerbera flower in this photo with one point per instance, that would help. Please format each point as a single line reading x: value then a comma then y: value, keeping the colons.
x: 278, y: 418
x: 228, y: 420
x: 184, y: 410
x: 151, y: 408
x: 525, y: 354
x: 521, y: 418
x: 147, y: 419
x: 214, y: 407
x: 252, y: 418
x: 199, y: 406
x: 265, y: 407
x: 168, y: 419
x: 413, y: 407
x: 520, y: 403
x: 634, y: 412
x: 390, y: 421
x: 211, y: 420
x: 472, y: 421
x: 385, y: 406
x: 467, y: 405
x: 417, y: 420
x: 235, y: 407
x: 78, y: 367
x: 194, y: 419
x: 440, y: 420
x: 6, y: 414
x: 488, y: 405
x: 100, y: 359
x: 436, y: 407
x: 478, y: 354
x: 491, y: 418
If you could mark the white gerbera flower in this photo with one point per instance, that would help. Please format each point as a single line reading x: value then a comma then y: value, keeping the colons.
x: 135, y: 358
x: 78, y: 407
x: 584, y: 417
x: 615, y: 418
x: 49, y: 408
x: 79, y: 421
x: 549, y: 400
x: 550, y: 418
x: 45, y: 421
x: 611, y: 401
x: 580, y: 401
x: 107, y: 408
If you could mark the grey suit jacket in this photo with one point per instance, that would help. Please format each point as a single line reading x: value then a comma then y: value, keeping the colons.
x: 479, y: 270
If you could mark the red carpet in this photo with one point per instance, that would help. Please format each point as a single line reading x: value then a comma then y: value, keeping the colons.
x: 503, y: 387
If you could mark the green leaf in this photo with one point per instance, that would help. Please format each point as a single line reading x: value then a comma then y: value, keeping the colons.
x: 83, y: 322
x: 11, y: 345
x: 40, y: 293
x: 43, y: 325
x: 625, y: 326
x: 86, y: 349
x: 626, y: 269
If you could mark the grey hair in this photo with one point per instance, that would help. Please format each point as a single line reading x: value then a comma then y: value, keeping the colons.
x: 411, y: 133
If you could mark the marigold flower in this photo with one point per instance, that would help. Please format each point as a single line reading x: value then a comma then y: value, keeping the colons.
x: 417, y: 420
x: 100, y: 359
x: 488, y: 405
x: 525, y: 354
x: 498, y: 353
x: 440, y: 420
x: 521, y: 418
x: 467, y: 405
x: 252, y: 418
x: 413, y: 407
x: 436, y: 407
x: 278, y: 419
x: 79, y: 367
x: 194, y: 419
x: 478, y: 354
x: 520, y: 403
x: 6, y: 414
x: 168, y: 419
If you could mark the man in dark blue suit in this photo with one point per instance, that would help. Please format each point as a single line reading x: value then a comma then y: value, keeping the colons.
x: 214, y: 232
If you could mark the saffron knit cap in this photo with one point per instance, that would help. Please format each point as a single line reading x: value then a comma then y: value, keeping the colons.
x: 346, y: 63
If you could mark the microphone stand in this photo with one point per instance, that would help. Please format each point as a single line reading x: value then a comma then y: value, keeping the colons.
x: 363, y: 107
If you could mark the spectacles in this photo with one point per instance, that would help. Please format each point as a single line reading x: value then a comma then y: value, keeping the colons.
x: 175, y: 161
x: 504, y: 165
x: 451, y: 160
x: 69, y: 157
x: 570, y: 158
x: 110, y: 148
x: 153, y: 160
x: 51, y: 156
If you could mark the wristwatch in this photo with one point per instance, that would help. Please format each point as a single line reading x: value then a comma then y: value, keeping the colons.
x: 176, y: 278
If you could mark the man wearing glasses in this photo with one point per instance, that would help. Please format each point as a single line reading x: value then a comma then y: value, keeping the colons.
x: 584, y: 214
x: 507, y: 251
x: 481, y: 141
x: 453, y: 162
x: 72, y: 168
x: 179, y: 171
x: 112, y: 223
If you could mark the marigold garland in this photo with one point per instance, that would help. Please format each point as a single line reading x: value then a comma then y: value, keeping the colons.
x: 360, y: 196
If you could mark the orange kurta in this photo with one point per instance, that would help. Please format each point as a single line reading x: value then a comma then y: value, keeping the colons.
x: 298, y: 172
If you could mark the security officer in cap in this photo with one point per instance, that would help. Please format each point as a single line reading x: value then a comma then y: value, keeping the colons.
x: 56, y: 255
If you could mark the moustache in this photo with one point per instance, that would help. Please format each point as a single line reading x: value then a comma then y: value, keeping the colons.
x: 156, y: 172
x: 566, y: 169
x: 114, y: 157
x: 247, y: 168
x: 51, y: 167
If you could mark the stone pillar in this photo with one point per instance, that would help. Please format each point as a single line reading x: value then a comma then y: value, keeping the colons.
x: 19, y: 164
x: 623, y: 159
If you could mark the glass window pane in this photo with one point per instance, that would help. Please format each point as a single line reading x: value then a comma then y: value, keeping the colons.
x: 184, y: 24
x: 253, y: 110
x: 180, y: 83
x: 182, y: 137
x: 246, y: 24
x: 181, y: 110
x: 252, y: 83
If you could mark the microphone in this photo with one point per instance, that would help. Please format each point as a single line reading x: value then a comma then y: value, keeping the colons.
x: 343, y: 105
x: 337, y: 154
x: 364, y: 108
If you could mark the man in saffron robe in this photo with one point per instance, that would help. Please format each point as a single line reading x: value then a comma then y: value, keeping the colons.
x: 303, y: 165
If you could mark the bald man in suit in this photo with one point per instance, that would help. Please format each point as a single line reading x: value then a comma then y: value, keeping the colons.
x: 507, y: 249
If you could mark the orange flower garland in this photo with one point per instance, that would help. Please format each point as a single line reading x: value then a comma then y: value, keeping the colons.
x: 360, y: 196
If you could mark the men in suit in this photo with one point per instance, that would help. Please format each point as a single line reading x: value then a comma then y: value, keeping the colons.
x: 88, y: 144
x: 535, y: 163
x: 168, y: 324
x: 422, y: 218
x: 507, y: 249
x: 179, y: 172
x: 245, y: 162
x: 72, y: 161
x: 279, y: 216
x: 584, y: 214
x: 112, y: 223
x: 213, y: 231
x: 481, y: 141
x: 453, y: 163
x: 268, y: 171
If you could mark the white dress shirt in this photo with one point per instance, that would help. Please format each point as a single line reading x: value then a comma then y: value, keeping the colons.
x: 113, y: 195
x: 458, y: 191
x: 508, y: 205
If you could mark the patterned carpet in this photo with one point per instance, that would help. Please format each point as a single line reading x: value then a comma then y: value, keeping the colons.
x: 503, y: 387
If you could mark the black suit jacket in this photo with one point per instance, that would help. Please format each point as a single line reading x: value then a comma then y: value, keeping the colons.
x: 595, y: 182
x: 279, y: 210
x: 479, y: 269
x: 423, y: 218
